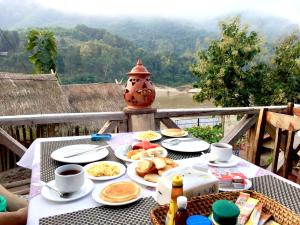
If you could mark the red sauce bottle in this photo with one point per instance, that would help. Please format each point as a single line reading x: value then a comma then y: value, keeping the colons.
x: 182, y: 214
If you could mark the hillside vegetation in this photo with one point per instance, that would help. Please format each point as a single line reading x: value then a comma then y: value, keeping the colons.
x: 87, y: 55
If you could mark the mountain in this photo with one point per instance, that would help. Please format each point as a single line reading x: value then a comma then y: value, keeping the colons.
x: 141, y: 31
x: 100, y: 49
x: 90, y: 55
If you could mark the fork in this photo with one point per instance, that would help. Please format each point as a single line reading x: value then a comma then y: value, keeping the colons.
x: 177, y: 141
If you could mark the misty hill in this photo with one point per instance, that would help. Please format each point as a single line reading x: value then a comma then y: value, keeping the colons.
x: 17, y: 14
x: 105, y: 48
x: 89, y: 55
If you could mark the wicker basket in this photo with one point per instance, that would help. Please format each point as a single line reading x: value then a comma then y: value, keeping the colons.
x: 202, y: 205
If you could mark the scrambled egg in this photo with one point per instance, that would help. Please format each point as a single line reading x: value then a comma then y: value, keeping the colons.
x: 148, y: 135
x: 103, y: 169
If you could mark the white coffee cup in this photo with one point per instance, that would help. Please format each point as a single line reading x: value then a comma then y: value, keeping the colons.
x: 69, y: 178
x: 220, y: 151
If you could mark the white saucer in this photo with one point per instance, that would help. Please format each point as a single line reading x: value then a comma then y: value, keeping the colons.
x: 233, y: 161
x: 96, y: 197
x: 247, y: 186
x: 51, y: 195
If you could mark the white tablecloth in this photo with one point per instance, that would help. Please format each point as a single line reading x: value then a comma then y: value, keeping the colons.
x: 40, y: 207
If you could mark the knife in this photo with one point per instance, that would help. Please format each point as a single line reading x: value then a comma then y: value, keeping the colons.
x: 91, y: 150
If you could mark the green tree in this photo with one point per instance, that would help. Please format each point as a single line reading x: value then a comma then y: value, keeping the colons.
x: 42, y: 45
x: 226, y: 70
x: 286, y: 65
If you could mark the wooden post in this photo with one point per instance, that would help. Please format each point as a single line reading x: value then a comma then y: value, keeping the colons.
x: 250, y: 142
x: 140, y: 119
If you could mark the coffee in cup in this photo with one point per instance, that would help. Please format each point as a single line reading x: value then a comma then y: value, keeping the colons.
x: 220, y: 151
x: 69, y: 178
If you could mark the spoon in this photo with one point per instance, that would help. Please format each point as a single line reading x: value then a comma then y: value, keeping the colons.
x: 61, y: 194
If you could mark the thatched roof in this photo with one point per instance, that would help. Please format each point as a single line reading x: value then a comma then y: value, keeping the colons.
x: 31, y: 94
x: 95, y: 97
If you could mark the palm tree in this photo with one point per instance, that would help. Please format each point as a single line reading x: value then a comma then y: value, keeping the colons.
x: 42, y: 44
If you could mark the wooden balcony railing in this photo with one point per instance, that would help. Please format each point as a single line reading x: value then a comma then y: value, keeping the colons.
x: 25, y: 129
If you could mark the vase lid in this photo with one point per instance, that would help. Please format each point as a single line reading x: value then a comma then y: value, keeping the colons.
x: 139, y: 69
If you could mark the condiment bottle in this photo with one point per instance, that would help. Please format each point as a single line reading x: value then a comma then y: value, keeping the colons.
x: 3, y: 204
x: 182, y: 214
x: 177, y: 190
x: 224, y: 213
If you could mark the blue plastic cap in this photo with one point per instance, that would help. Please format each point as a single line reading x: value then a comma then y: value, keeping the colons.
x: 198, y: 220
x: 101, y: 137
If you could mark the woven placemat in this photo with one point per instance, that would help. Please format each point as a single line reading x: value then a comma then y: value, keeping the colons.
x: 138, y: 213
x: 134, y: 214
x: 278, y: 190
x: 48, y: 165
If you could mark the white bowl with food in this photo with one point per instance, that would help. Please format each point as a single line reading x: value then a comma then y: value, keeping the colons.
x: 104, y: 170
x: 147, y: 136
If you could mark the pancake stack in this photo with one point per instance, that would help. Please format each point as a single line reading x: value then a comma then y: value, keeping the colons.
x: 120, y: 192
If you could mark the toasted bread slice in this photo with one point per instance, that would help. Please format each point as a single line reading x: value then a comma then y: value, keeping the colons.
x: 159, y: 162
x: 151, y: 177
x: 144, y: 167
x: 169, y: 161
x: 161, y: 171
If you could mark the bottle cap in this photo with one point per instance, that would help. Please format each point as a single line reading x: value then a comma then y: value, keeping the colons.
x: 2, y: 204
x: 197, y: 220
x: 181, y: 202
x: 225, y: 212
x: 177, y: 180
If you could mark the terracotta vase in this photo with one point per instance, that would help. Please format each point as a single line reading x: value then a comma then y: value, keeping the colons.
x: 139, y: 90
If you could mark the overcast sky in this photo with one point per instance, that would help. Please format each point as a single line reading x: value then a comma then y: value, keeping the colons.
x: 190, y: 9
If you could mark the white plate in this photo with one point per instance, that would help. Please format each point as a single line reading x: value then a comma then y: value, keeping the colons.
x: 247, y: 186
x: 233, y: 161
x: 194, y: 145
x: 51, y: 195
x: 96, y: 197
x: 183, y: 135
x: 59, y: 154
x: 122, y: 169
x: 121, y: 153
x: 132, y: 174
x: 157, y: 137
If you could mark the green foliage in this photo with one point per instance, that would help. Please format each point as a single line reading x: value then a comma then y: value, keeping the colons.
x: 209, y: 134
x: 286, y: 64
x: 225, y: 71
x: 42, y: 45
